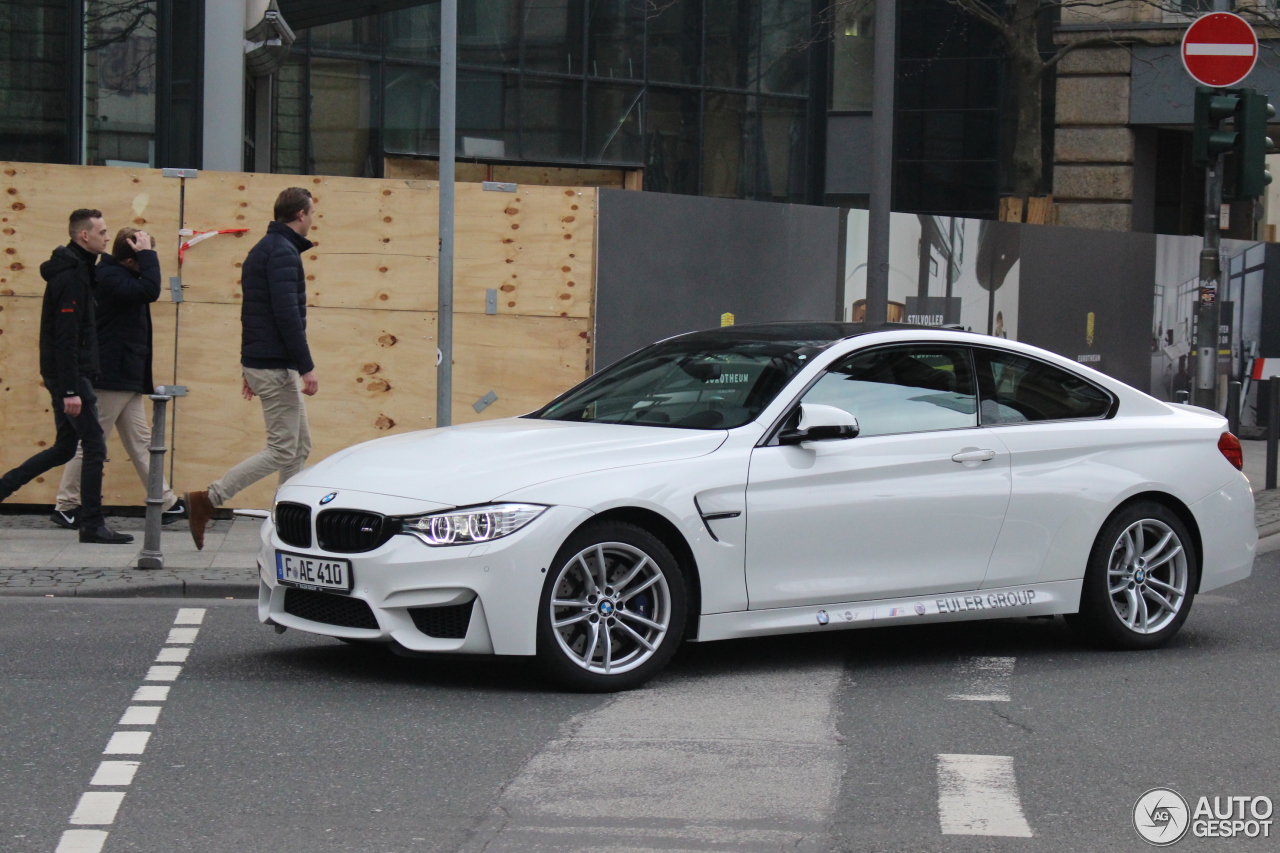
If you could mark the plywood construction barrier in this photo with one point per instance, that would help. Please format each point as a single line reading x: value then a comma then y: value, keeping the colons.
x: 371, y: 317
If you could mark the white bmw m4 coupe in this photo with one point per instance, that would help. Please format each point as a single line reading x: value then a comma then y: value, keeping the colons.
x: 769, y: 479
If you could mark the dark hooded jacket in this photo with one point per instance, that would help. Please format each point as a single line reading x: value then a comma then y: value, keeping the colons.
x: 68, y: 334
x: 123, y: 302
x: 273, y: 316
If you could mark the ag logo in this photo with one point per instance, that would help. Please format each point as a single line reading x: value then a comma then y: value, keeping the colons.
x: 324, y: 500
x: 1161, y: 816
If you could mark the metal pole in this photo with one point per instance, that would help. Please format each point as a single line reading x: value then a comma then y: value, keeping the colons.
x: 1233, y: 407
x: 1206, y: 385
x: 151, y: 558
x: 448, y: 136
x: 1273, y: 429
x: 881, y: 162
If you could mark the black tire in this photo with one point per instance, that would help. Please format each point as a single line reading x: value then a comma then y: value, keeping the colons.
x: 1113, y: 620
x: 569, y: 655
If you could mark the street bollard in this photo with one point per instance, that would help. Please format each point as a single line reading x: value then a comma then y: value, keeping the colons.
x: 1233, y: 407
x: 1181, y: 396
x: 1273, y: 429
x: 151, y: 557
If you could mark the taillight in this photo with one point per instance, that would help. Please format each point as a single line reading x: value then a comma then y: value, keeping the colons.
x: 1230, y: 447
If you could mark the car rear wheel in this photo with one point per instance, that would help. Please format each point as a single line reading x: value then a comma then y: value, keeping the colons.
x: 1140, y: 581
x: 612, y: 611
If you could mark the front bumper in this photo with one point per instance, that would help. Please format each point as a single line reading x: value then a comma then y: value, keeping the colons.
x: 504, y: 578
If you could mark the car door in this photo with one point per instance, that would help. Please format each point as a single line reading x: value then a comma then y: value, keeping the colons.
x: 1049, y: 418
x: 912, y: 505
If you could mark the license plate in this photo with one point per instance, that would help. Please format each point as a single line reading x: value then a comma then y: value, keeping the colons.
x: 313, y: 572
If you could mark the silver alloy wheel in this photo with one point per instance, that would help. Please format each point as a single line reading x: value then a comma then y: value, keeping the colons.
x: 1147, y: 576
x: 610, y: 608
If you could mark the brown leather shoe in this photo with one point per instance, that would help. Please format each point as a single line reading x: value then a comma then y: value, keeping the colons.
x: 199, y: 511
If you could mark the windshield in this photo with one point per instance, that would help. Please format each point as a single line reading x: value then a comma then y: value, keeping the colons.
x: 690, y: 383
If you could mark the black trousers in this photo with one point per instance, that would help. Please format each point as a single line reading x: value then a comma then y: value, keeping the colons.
x: 82, y: 429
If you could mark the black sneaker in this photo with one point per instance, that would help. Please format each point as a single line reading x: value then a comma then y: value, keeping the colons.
x: 173, y: 513
x: 104, y: 536
x: 69, y: 519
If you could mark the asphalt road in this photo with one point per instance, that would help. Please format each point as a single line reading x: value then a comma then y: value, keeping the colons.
x: 871, y: 740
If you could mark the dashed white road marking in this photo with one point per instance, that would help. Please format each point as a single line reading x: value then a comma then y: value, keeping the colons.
x: 978, y: 795
x: 115, y: 774
x: 987, y: 679
x: 746, y: 760
x: 163, y: 673
x: 99, y: 808
x: 82, y: 841
x: 182, y: 635
x: 127, y: 743
x: 140, y: 715
x: 189, y: 616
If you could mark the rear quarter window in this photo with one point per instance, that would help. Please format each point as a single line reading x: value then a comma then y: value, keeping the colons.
x: 1015, y: 389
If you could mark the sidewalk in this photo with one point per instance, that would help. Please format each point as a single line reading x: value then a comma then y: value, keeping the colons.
x: 1266, y: 504
x: 39, y: 558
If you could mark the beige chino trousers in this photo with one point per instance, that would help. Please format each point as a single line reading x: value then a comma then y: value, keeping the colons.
x: 288, y: 437
x: 125, y: 413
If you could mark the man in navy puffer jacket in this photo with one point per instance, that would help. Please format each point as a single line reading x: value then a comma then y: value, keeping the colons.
x: 273, y: 354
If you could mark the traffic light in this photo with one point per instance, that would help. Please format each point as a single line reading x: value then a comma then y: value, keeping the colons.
x: 1252, y: 144
x: 1246, y: 142
x: 1212, y: 107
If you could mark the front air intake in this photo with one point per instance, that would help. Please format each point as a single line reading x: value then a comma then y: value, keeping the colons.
x: 449, y: 622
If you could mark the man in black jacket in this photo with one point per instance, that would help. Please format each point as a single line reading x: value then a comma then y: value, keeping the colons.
x: 128, y: 282
x: 68, y: 364
x: 273, y: 354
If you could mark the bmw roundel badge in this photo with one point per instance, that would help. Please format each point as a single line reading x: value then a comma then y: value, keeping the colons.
x: 324, y: 500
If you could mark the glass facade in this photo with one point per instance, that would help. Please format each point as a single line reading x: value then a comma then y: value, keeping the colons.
x: 709, y: 97
x: 34, y: 102
x: 101, y: 82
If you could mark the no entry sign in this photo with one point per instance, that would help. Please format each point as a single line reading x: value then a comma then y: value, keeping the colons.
x: 1219, y: 49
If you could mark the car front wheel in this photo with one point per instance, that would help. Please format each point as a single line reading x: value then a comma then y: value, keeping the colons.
x: 613, y: 609
x: 1140, y: 582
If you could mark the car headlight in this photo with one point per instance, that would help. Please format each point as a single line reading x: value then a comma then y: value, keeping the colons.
x: 467, y: 526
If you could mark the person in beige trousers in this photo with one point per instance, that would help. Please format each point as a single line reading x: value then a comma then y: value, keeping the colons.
x: 128, y: 282
x: 274, y: 356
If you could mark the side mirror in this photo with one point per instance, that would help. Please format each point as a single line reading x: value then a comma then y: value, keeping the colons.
x: 820, y: 423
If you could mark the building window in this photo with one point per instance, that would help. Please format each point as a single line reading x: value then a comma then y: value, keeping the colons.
x: 33, y: 81
x: 119, y: 83
x: 853, y: 48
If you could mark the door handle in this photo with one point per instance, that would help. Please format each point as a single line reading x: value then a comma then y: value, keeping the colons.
x: 974, y: 456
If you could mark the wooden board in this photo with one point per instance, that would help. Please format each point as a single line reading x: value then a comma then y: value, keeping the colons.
x: 367, y: 234
x: 525, y: 361
x: 376, y: 244
x: 429, y: 170
x: 38, y: 198
x: 536, y: 247
x: 551, y: 176
x: 560, y: 176
x: 26, y: 414
x: 377, y: 377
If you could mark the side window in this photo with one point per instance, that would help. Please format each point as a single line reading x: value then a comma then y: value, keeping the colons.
x: 902, y: 389
x: 1017, y: 390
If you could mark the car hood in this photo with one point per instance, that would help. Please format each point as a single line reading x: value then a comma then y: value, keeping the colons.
x: 479, y: 462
